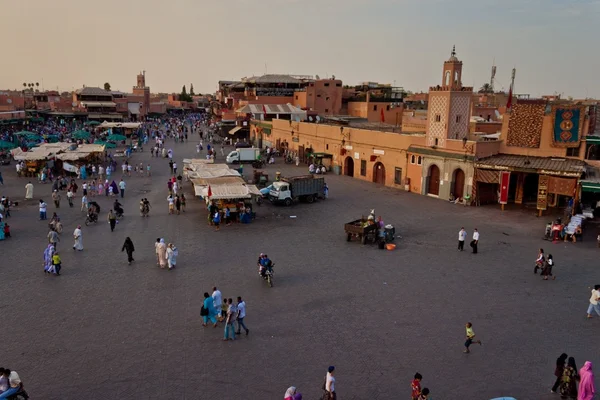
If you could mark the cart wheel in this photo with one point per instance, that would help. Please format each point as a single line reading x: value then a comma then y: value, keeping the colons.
x: 288, y: 202
x: 348, y: 237
x: 310, y: 199
x: 363, y: 239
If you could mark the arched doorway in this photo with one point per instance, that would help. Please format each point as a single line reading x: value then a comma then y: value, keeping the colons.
x: 458, y: 189
x: 349, y: 166
x: 433, y: 181
x: 379, y: 173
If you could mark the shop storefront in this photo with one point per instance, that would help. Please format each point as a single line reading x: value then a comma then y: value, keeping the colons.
x: 529, y: 181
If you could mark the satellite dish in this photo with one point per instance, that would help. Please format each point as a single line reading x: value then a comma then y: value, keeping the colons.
x: 310, y: 118
x: 318, y: 119
x: 9, y: 101
x: 74, y: 104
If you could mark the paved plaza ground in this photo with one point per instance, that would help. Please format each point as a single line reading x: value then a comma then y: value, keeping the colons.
x: 107, y: 330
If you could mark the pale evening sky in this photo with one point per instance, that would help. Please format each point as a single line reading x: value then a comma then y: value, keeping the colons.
x: 67, y: 43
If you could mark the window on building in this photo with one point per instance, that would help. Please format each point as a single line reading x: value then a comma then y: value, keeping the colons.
x: 573, y: 152
x: 363, y: 167
x: 327, y: 110
x: 398, y: 176
x: 436, y: 141
x: 338, y: 85
x: 420, y: 160
x: 296, y: 97
x: 326, y: 147
x: 310, y: 95
x: 312, y: 84
x: 327, y: 98
x: 318, y: 95
x: 327, y: 85
x: 438, y: 117
x: 458, y: 118
x: 412, y: 159
x: 387, y: 108
x: 375, y: 107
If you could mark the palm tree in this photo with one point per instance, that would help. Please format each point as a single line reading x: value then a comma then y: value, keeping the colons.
x: 24, y: 84
x: 486, y: 88
x: 37, y: 85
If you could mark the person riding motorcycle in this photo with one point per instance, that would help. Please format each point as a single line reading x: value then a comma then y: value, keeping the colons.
x: 264, y: 264
x: 92, y: 214
x: 118, y: 208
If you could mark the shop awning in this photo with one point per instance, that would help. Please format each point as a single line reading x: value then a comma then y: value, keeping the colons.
x: 134, y: 108
x: 592, y: 139
x: 592, y: 187
x: 234, y: 130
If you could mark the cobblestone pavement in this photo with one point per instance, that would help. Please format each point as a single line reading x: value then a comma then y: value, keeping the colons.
x: 106, y: 330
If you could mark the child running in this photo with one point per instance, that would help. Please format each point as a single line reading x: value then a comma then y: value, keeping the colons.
x: 470, y: 337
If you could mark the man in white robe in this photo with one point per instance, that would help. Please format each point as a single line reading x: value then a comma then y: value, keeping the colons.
x: 78, y: 239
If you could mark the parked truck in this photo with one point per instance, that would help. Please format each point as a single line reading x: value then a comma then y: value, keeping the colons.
x: 306, y: 187
x: 243, y: 155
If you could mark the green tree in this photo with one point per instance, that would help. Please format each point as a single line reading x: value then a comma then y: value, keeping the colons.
x: 192, y: 89
x: 486, y: 88
x: 107, y: 86
x: 184, y: 96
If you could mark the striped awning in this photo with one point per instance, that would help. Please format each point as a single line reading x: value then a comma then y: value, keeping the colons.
x: 488, y: 176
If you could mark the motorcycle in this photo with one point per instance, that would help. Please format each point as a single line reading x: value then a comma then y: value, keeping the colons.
x: 267, y: 274
x: 118, y: 209
x: 20, y: 395
x: 91, y: 219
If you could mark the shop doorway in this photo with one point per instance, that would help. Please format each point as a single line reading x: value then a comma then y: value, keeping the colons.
x: 379, y: 173
x: 530, y: 188
x: 458, y: 189
x: 349, y: 166
x: 433, y: 181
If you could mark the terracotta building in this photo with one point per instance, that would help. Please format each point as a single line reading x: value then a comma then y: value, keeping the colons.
x: 140, y: 105
x: 323, y: 96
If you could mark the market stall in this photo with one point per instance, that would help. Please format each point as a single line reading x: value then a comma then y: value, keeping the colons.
x: 239, y: 197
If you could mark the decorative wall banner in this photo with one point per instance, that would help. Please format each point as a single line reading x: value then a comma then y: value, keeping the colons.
x: 542, y: 198
x: 568, y: 126
x: 525, y: 124
x: 563, y: 186
x: 504, y: 183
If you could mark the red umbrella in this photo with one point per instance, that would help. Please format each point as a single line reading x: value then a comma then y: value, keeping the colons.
x: 209, y: 192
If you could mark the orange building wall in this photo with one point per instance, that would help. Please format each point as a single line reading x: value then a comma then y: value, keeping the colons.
x: 414, y: 173
x: 300, y: 100
x: 358, y: 109
x: 327, y: 138
x: 325, y: 96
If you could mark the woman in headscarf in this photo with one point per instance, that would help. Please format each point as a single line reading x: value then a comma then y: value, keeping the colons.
x: 289, y: 393
x: 48, y: 253
x: 115, y: 188
x: 161, y: 252
x: 208, y: 311
x: 587, y: 389
x: 568, y: 384
x: 172, y: 254
x: 128, y: 247
x: 558, y: 371
x: 78, y: 245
